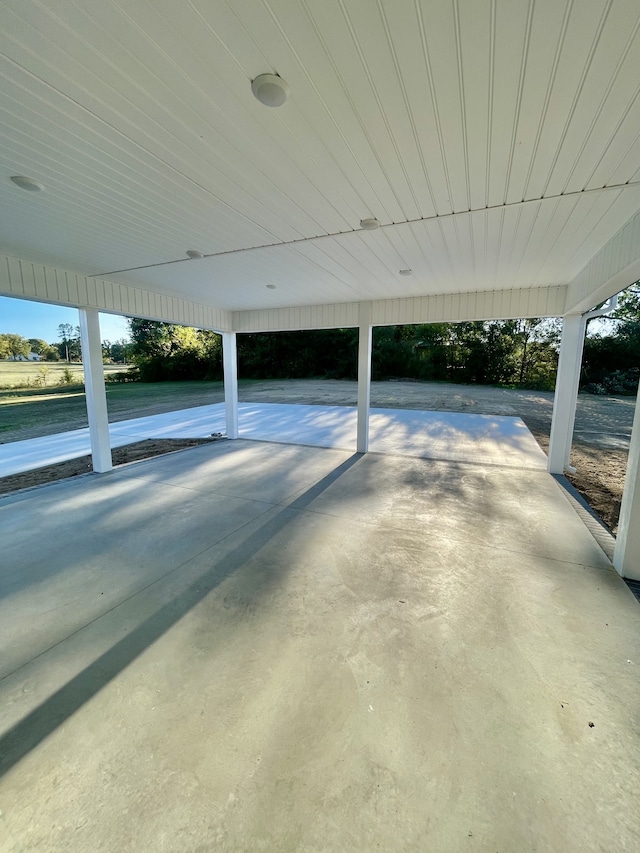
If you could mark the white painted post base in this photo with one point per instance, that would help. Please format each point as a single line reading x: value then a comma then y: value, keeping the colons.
x: 365, y: 337
x: 626, y: 557
x: 95, y: 392
x: 230, y: 368
x: 566, y: 395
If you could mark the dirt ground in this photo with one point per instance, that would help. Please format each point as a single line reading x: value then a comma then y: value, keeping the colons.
x: 601, y: 437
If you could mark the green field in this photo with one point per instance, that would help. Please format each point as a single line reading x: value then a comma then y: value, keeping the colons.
x: 47, y: 374
x: 32, y: 412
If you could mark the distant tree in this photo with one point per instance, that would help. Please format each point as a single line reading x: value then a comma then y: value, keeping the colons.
x: 394, y: 352
x: 65, y: 332
x: 116, y: 352
x: 38, y: 346
x: 628, y: 309
x: 120, y: 351
x: 75, y: 347
x: 43, y: 349
x: 537, y: 352
x: 611, y: 361
x: 15, y: 346
x: 53, y: 353
x: 164, y: 351
x: 330, y: 353
x: 69, y: 346
x: 4, y: 347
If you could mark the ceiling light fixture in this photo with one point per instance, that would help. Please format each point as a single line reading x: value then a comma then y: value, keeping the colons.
x: 29, y: 184
x: 405, y: 272
x: 270, y: 89
x: 194, y: 254
x: 369, y: 224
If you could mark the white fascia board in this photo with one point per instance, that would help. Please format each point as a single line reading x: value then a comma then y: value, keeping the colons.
x: 39, y: 283
x: 481, y: 305
x: 340, y: 315
x: 449, y: 308
x: 614, y: 267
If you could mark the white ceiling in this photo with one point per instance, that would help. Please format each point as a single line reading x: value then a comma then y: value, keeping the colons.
x: 138, y: 117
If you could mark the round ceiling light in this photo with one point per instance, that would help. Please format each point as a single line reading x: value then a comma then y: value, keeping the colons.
x: 29, y: 184
x: 194, y: 254
x: 270, y: 90
x: 369, y: 224
x: 405, y: 272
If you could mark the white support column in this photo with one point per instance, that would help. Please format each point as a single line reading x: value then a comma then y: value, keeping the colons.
x: 566, y: 395
x: 626, y: 557
x: 364, y: 375
x: 96, y: 395
x: 230, y: 365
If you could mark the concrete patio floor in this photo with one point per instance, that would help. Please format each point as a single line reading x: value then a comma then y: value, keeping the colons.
x: 492, y: 439
x: 258, y: 646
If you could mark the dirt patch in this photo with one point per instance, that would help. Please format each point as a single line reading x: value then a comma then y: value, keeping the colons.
x: 120, y: 455
x: 599, y: 478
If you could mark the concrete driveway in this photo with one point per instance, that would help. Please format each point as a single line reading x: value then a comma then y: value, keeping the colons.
x: 491, y: 439
x: 258, y: 646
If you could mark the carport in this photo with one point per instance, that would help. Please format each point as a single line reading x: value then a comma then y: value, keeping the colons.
x: 253, y: 646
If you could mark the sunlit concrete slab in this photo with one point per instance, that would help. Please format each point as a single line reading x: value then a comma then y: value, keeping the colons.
x: 198, y: 422
x: 18, y: 456
x: 251, y: 645
x: 453, y: 436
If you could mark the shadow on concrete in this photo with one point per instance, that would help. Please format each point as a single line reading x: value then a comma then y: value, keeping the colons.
x: 25, y: 735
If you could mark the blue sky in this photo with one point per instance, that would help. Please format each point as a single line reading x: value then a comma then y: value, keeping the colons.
x: 38, y: 320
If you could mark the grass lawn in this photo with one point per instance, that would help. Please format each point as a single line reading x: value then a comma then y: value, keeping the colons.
x: 32, y: 412
x: 43, y: 373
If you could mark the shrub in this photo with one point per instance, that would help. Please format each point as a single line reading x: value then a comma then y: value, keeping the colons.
x: 131, y: 375
x: 620, y: 382
x: 69, y: 378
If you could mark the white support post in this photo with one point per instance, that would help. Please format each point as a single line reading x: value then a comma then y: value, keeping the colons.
x: 96, y: 395
x: 230, y: 365
x: 626, y: 556
x: 566, y: 394
x: 364, y: 376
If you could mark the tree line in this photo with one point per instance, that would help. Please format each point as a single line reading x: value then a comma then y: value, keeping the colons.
x: 67, y: 349
x: 510, y: 353
x: 611, y: 360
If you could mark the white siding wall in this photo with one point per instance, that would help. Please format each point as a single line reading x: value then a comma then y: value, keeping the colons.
x: 337, y: 316
x: 491, y: 305
x: 48, y: 284
x: 614, y: 267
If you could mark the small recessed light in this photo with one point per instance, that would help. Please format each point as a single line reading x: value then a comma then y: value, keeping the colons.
x: 270, y: 286
x: 369, y: 224
x: 405, y: 272
x: 270, y: 89
x: 194, y: 254
x: 28, y: 184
